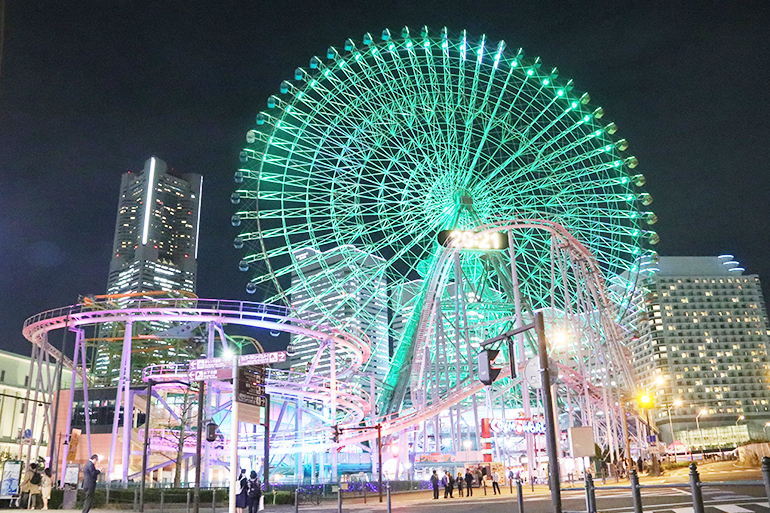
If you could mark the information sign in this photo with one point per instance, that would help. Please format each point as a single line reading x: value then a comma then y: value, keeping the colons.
x: 9, y: 486
x: 209, y: 374
x: 251, y: 386
x: 262, y: 358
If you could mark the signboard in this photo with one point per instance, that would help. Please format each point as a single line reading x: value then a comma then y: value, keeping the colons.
x: 243, y: 360
x: 9, y: 486
x: 71, y: 476
x: 250, y: 384
x: 581, y: 442
x: 532, y: 372
x: 434, y: 457
x: 209, y: 374
x: 518, y: 426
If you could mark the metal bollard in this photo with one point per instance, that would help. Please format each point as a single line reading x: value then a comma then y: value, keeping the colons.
x: 520, y: 495
x: 387, y: 489
x: 106, y: 494
x: 590, y: 495
x: 296, y: 499
x: 697, y: 496
x: 766, y: 475
x: 188, y: 502
x: 136, y: 499
x: 161, y: 500
x: 339, y: 499
x: 214, y: 500
x: 636, y: 491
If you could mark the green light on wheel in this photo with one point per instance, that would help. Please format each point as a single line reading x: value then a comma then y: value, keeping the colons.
x: 546, y: 82
x: 530, y: 72
x: 560, y: 92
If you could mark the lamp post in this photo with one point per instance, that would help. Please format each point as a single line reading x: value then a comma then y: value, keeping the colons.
x: 767, y: 424
x: 677, y: 404
x: 742, y: 417
x: 700, y: 434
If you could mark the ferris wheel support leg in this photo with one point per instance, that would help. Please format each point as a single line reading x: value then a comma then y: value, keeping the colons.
x: 68, y: 432
x: 118, y: 397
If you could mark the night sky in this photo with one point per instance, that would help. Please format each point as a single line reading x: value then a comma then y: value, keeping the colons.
x: 91, y: 89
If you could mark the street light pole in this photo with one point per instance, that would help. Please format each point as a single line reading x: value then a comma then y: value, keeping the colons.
x: 700, y: 434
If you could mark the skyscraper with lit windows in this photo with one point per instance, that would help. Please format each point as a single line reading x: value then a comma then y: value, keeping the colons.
x: 701, y: 347
x: 156, y: 232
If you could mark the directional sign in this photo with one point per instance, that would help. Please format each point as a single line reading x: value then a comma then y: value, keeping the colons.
x: 246, y: 359
x: 250, y: 390
x: 209, y: 374
x: 262, y: 358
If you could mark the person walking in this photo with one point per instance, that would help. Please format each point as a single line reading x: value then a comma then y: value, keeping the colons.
x: 243, y: 489
x: 459, y: 484
x: 469, y: 482
x: 495, y: 484
x: 434, y: 483
x: 255, y: 492
x: 90, y: 473
x: 445, y: 484
x: 46, y: 485
x: 30, y: 487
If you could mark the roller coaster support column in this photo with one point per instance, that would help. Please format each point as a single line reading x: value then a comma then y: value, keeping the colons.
x: 145, y: 446
x: 234, y: 437
x: 266, y: 464
x: 379, y: 459
x: 550, y: 422
x: 198, y: 443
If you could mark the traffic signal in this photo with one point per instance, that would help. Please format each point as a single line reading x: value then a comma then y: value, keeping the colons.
x: 211, y: 432
x: 487, y: 374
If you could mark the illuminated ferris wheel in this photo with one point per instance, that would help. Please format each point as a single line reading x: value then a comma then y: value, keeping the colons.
x: 386, y: 142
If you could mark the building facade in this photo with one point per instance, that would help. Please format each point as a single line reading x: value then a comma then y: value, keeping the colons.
x: 700, y: 349
x: 156, y: 231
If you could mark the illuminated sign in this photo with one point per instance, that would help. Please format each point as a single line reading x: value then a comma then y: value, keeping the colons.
x: 472, y: 240
x: 517, y: 426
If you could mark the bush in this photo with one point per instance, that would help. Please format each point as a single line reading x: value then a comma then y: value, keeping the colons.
x: 279, y: 497
x: 677, y: 464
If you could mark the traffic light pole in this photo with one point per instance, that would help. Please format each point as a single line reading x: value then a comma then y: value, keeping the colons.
x: 550, y: 422
x: 338, y: 431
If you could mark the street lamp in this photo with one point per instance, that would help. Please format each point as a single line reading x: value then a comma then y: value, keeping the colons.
x: 677, y: 404
x: 767, y: 424
x: 700, y: 434
x: 742, y: 417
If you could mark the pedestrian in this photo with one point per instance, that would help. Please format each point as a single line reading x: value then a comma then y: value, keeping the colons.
x: 451, y: 479
x: 30, y: 487
x: 243, y: 489
x: 459, y: 481
x: 90, y: 473
x: 469, y: 482
x: 434, y: 483
x: 255, y: 492
x: 445, y: 484
x: 46, y: 485
x: 495, y: 484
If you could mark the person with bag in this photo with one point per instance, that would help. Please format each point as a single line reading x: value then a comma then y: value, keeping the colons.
x: 255, y: 493
x: 30, y: 487
x: 459, y: 481
x: 469, y: 482
x: 46, y: 486
x: 243, y: 490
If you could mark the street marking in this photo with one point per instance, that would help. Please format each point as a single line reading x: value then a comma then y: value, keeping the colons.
x: 683, y: 510
x: 729, y: 508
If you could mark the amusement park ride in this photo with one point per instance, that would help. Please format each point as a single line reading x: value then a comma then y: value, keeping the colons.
x: 489, y: 191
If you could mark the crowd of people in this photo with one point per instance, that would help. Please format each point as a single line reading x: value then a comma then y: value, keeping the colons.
x: 464, y: 483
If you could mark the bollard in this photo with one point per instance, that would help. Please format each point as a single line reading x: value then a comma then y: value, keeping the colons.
x: 339, y: 499
x: 520, y: 495
x: 161, y: 500
x: 106, y: 495
x: 636, y: 491
x: 296, y: 500
x: 590, y: 495
x: 364, y: 487
x: 214, y: 500
x: 387, y: 489
x: 697, y: 496
x: 510, y: 482
x: 188, y: 502
x: 766, y: 475
x: 136, y: 499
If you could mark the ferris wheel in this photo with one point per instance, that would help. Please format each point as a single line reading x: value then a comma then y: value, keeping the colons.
x: 365, y: 156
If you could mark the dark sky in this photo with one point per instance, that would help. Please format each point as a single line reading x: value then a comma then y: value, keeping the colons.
x: 91, y: 89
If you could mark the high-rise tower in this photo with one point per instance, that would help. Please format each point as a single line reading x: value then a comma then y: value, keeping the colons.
x: 156, y: 233
x: 702, y: 347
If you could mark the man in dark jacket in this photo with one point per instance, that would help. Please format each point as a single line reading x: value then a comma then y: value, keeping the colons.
x: 469, y: 482
x: 90, y: 473
x: 434, y: 484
